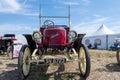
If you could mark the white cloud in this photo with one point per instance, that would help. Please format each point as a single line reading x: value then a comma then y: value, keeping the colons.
x: 115, y: 25
x: 90, y: 26
x: 85, y: 27
x: 16, y: 28
x: 28, y: 13
x: 9, y: 6
x: 13, y: 4
x: 71, y: 3
x: 116, y: 28
x: 16, y: 7
x: 100, y: 20
x: 97, y: 15
x: 86, y: 2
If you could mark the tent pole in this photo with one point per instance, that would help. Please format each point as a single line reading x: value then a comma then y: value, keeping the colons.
x: 107, y: 42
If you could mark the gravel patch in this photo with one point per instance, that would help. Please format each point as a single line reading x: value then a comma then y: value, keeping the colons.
x: 103, y: 67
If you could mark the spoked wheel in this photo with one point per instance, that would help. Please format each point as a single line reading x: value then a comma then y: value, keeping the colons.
x: 118, y: 56
x: 84, y: 61
x: 10, y: 52
x: 24, y: 62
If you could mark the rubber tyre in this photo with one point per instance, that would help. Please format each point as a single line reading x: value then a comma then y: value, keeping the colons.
x: 84, y: 63
x: 118, y: 56
x: 24, y: 62
x: 10, y: 52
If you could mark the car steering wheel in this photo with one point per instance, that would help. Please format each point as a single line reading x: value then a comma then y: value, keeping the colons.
x: 48, y: 23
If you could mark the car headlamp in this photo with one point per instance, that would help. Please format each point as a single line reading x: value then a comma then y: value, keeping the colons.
x: 37, y: 36
x: 72, y: 36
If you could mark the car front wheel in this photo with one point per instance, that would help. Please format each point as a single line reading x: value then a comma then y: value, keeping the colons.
x: 84, y: 61
x: 24, y: 62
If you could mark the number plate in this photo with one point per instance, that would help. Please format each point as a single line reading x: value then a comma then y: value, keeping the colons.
x: 55, y: 60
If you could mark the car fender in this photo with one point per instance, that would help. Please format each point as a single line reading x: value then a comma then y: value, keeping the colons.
x: 30, y: 41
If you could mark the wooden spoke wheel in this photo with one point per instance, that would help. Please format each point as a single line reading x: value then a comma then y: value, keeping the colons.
x: 24, y: 61
x: 84, y: 61
x: 118, y: 56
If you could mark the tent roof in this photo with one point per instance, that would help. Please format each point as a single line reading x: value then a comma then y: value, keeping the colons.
x: 103, y: 30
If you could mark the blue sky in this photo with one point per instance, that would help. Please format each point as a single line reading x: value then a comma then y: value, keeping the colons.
x: 21, y: 16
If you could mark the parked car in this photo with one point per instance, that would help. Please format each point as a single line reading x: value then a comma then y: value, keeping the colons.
x: 6, y: 44
x: 53, y: 44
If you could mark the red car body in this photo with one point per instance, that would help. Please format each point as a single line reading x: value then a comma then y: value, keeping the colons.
x: 54, y: 36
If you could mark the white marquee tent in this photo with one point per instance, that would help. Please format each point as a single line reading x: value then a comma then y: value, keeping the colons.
x: 103, y: 38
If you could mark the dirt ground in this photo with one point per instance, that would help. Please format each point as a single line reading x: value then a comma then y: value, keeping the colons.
x: 103, y: 67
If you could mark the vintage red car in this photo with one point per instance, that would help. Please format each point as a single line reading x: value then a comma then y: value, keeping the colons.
x: 48, y: 44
